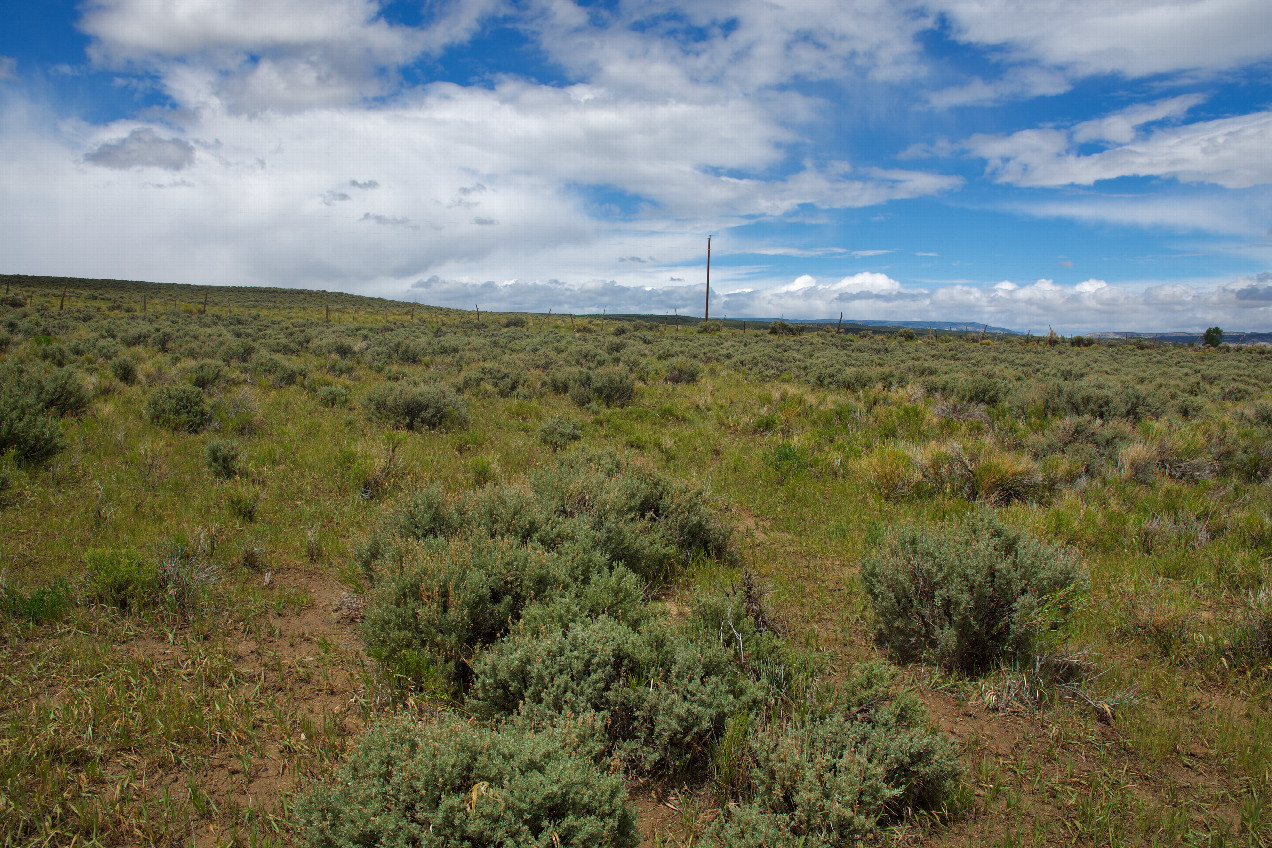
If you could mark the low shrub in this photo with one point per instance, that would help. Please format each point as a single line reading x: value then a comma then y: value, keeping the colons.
x: 607, y: 386
x: 184, y: 573
x: 179, y: 408
x: 333, y: 396
x: 662, y: 694
x: 413, y: 406
x: 682, y: 371
x: 124, y: 369
x: 27, y: 431
x: 121, y: 578
x: 970, y: 594
x: 453, y: 783
x: 221, y: 457
x: 558, y: 433
x: 828, y: 774
x: 205, y: 373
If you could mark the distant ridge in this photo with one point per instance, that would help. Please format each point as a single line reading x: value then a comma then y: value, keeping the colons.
x: 50, y: 285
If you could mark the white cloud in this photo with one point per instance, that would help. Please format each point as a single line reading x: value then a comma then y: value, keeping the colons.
x: 1019, y: 84
x: 1229, y: 152
x: 1134, y: 38
x: 751, y: 45
x: 8, y: 68
x: 267, y: 55
x: 142, y: 148
x: 1202, y: 209
x: 1241, y: 304
x: 1120, y: 127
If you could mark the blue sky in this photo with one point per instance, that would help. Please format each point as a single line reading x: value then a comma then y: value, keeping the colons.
x: 1081, y: 164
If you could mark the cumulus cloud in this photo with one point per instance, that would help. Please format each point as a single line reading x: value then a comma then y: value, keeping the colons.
x: 142, y: 148
x: 268, y: 55
x: 1091, y: 305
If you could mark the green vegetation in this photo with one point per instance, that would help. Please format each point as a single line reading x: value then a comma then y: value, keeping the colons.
x: 259, y: 554
x: 450, y: 783
x: 972, y: 596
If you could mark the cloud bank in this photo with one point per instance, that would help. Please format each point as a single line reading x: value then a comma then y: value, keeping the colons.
x: 1088, y: 306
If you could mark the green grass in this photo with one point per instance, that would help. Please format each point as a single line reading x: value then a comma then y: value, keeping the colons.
x: 121, y: 722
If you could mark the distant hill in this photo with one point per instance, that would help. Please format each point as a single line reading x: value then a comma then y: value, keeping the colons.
x: 261, y: 296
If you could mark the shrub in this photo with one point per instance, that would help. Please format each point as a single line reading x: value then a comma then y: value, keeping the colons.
x: 608, y: 386
x: 280, y: 372
x: 557, y: 433
x: 443, y: 600
x: 454, y: 783
x: 781, y: 328
x: 970, y: 594
x: 204, y: 373
x: 411, y: 406
x: 27, y: 430
x: 333, y: 396
x: 221, y: 456
x: 825, y: 776
x: 183, y: 573
x: 1213, y: 337
x: 662, y: 694
x: 179, y: 408
x: 683, y: 370
x: 124, y: 369
x: 121, y: 578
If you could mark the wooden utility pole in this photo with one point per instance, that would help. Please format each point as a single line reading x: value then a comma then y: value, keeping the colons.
x: 706, y: 307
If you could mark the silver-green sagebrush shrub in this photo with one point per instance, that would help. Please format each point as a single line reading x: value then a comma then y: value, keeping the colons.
x: 827, y: 774
x: 411, y: 406
x: 442, y: 600
x: 970, y: 594
x: 32, y: 399
x: 457, y: 784
x: 179, y: 408
x: 222, y: 458
x: 662, y: 694
x: 438, y: 602
x: 558, y: 433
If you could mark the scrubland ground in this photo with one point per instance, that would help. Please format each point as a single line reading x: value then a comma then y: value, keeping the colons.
x: 194, y: 483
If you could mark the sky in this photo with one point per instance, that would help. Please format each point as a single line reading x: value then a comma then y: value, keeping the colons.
x: 1083, y: 165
